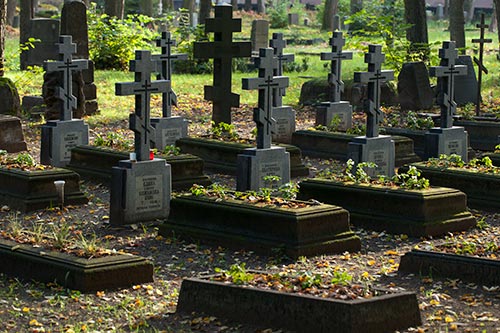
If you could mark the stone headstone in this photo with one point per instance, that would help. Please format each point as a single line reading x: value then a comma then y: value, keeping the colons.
x: 168, y: 129
x: 414, y: 87
x: 335, y: 109
x: 439, y: 12
x: 447, y: 139
x: 141, y: 186
x: 47, y: 31
x: 60, y: 136
x: 34, y: 106
x: 255, y: 164
x: 283, y: 115
x: 373, y: 147
x: 259, y: 34
x: 466, y: 86
x: 222, y: 50
x: 10, y: 102
x: 293, y: 19
x: 11, y: 134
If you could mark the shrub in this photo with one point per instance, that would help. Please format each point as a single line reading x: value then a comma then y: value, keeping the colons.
x: 278, y: 14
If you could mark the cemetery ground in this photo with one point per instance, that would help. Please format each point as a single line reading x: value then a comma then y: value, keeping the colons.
x: 446, y: 304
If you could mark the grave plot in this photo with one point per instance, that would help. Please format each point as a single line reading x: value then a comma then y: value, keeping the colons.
x: 479, y: 179
x: 280, y: 300
x: 404, y: 204
x: 27, y: 186
x: 221, y: 156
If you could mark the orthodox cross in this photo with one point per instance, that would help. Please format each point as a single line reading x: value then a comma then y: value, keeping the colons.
x: 265, y: 83
x: 222, y: 50
x: 142, y: 88
x: 374, y: 77
x: 66, y: 65
x: 278, y: 44
x: 165, y: 73
x: 479, y: 62
x: 447, y: 72
x: 336, y: 57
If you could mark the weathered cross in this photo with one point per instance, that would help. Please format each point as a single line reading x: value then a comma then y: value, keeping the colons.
x: 479, y: 62
x: 142, y: 88
x: 374, y: 77
x: 278, y: 44
x: 222, y: 50
x: 265, y: 83
x: 165, y: 68
x: 336, y: 57
x: 447, y: 72
x: 66, y: 65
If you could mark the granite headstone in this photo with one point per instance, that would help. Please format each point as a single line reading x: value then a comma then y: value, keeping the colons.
x: 414, y: 87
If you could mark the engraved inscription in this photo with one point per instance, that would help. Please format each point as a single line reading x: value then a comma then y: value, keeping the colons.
x: 283, y: 127
x: 453, y: 147
x: 68, y: 141
x: 270, y: 169
x: 149, y: 193
x: 170, y: 135
x: 380, y: 158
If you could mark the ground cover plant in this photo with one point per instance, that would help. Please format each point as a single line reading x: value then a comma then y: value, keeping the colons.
x: 447, y: 305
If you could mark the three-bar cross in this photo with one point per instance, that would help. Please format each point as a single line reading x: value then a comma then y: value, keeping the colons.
x: 447, y: 72
x: 165, y: 65
x: 336, y: 57
x: 374, y: 77
x: 265, y: 83
x: 142, y: 88
x: 278, y: 44
x: 66, y: 65
x: 222, y: 50
x: 479, y: 62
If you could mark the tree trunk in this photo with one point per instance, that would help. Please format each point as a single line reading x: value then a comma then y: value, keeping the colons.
x: 497, y: 12
x: 11, y: 11
x: 248, y: 5
x: 457, y: 23
x: 494, y: 20
x: 356, y: 6
x: 468, y: 8
x: 168, y: 5
x: 114, y: 8
x: 3, y: 19
x: 189, y: 5
x: 146, y: 7
x: 205, y: 9
x: 234, y: 3
x: 415, y: 16
x: 331, y: 7
x: 261, y: 6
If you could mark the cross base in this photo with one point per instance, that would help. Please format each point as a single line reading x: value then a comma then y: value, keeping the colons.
x: 255, y: 164
x: 168, y: 131
x: 336, y: 115
x: 284, y: 125
x: 453, y: 140
x: 379, y: 150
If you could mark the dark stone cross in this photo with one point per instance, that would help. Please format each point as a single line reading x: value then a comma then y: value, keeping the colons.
x: 66, y: 65
x: 142, y: 88
x: 278, y: 44
x: 222, y: 50
x: 479, y: 62
x: 374, y: 77
x: 336, y: 57
x: 165, y: 65
x: 447, y: 72
x: 265, y: 83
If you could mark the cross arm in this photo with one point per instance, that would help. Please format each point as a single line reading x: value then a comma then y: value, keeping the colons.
x: 333, y: 56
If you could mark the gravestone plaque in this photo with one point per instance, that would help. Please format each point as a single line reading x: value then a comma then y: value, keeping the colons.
x: 222, y: 50
x: 255, y: 164
x: 259, y: 34
x: 141, y: 186
x: 283, y: 115
x: 60, y: 136
x: 414, y: 87
x: 447, y: 139
x: 336, y: 112
x: 168, y: 129
x: 374, y: 146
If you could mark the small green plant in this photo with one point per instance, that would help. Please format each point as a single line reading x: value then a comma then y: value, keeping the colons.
x: 468, y: 111
x: 14, y: 226
x: 414, y: 122
x: 116, y: 140
x: 38, y: 231
x: 223, y: 131
x: 481, y: 224
x: 288, y: 191
x: 237, y: 273
x: 308, y: 280
x: 411, y: 180
x: 89, y: 245
x: 61, y: 234
x: 25, y: 159
x: 357, y: 130
x: 171, y: 150
x: 342, y: 278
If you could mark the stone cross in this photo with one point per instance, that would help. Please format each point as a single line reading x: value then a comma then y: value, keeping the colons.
x: 336, y: 57
x: 479, y: 62
x: 447, y: 72
x: 142, y: 88
x: 265, y: 83
x: 222, y: 50
x: 66, y: 65
x: 278, y: 44
x: 374, y: 77
x: 165, y: 65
